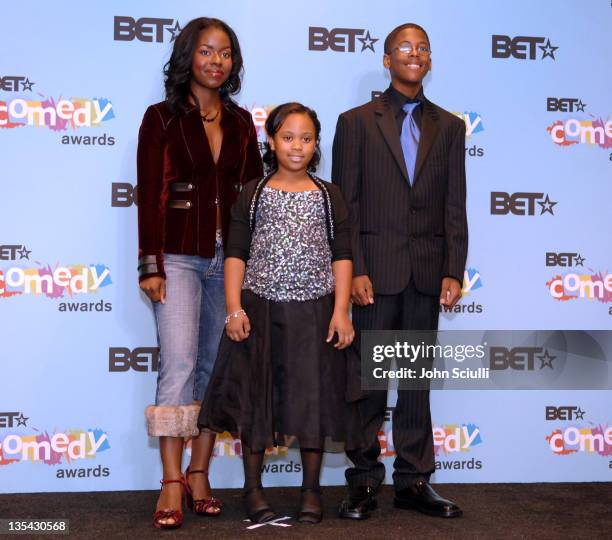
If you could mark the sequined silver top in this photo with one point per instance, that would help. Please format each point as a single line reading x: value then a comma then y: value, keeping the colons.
x: 290, y: 257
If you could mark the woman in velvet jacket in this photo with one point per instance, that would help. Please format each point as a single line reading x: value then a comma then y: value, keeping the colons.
x: 195, y: 150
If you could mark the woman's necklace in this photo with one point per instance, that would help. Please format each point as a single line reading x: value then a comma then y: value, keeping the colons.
x: 206, y: 119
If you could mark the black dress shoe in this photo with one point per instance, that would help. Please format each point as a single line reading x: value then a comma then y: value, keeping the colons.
x: 423, y: 498
x: 358, y: 504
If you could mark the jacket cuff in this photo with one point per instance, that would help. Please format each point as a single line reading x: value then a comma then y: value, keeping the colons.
x: 359, y: 267
x: 149, y: 266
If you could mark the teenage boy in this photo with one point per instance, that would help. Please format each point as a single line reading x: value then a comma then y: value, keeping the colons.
x: 400, y: 163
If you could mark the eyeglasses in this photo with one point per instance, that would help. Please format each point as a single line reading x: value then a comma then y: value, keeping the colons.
x: 407, y: 48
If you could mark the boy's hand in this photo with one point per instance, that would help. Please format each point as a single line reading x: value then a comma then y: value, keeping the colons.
x: 341, y: 324
x: 451, y: 292
x: 362, y: 291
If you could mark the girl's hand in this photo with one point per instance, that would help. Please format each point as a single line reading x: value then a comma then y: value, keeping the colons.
x: 155, y: 288
x: 341, y: 324
x: 238, y: 328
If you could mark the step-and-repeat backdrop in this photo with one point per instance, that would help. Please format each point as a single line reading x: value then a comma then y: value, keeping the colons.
x: 532, y: 82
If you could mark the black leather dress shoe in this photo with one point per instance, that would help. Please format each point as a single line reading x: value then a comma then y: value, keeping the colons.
x: 423, y: 498
x: 358, y: 504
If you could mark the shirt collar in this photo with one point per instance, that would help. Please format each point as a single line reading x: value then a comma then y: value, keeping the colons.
x: 398, y: 99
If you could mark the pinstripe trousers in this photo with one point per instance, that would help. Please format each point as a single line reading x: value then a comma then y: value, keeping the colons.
x: 411, y: 420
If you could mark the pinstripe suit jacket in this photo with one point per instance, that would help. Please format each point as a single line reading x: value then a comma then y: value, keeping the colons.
x: 399, y: 231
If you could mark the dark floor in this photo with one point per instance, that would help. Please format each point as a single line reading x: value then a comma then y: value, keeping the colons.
x: 490, y: 511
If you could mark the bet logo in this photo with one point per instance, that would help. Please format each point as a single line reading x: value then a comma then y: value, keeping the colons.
x: 10, y: 83
x: 566, y: 412
x: 564, y: 259
x: 521, y: 47
x: 12, y: 419
x: 339, y: 39
x: 519, y: 358
x: 124, y: 194
x: 147, y: 29
x: 520, y: 204
x: 142, y: 359
x: 564, y: 104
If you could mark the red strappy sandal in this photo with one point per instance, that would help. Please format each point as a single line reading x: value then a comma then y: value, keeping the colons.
x: 200, y: 506
x: 161, y: 516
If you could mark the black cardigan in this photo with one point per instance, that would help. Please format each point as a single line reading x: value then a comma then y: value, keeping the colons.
x: 244, y: 211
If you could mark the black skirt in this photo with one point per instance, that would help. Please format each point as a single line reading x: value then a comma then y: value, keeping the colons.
x: 284, y: 385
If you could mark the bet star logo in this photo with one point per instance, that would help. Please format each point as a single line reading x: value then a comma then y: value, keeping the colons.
x: 174, y: 31
x: 27, y: 85
x: 24, y: 253
x: 10, y: 83
x: 564, y: 259
x: 522, y: 203
x: 146, y: 29
x: 9, y: 252
x: 521, y: 47
x: 7, y: 419
x: 546, y: 360
x: 565, y: 104
x: 548, y: 50
x: 547, y: 206
x: 367, y: 42
x: 339, y: 39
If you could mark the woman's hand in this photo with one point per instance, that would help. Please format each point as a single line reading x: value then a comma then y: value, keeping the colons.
x: 341, y: 324
x: 155, y: 288
x: 238, y: 328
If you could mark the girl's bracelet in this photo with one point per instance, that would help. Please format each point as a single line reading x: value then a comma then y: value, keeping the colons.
x: 234, y: 315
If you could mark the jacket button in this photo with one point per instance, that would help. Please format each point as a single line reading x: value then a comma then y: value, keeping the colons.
x: 190, y: 186
x: 188, y: 204
x: 237, y: 187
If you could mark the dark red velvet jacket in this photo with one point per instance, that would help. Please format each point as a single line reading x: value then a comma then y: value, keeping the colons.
x: 177, y: 181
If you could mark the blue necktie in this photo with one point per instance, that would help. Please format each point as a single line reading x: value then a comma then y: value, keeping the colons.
x: 409, y: 140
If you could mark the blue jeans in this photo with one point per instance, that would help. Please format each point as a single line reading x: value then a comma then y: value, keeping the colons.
x: 189, y: 326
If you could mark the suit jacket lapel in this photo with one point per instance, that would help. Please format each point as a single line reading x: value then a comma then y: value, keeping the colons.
x: 429, y: 132
x: 388, y: 128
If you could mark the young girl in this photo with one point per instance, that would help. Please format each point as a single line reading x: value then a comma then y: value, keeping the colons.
x: 282, y: 370
x: 195, y: 149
